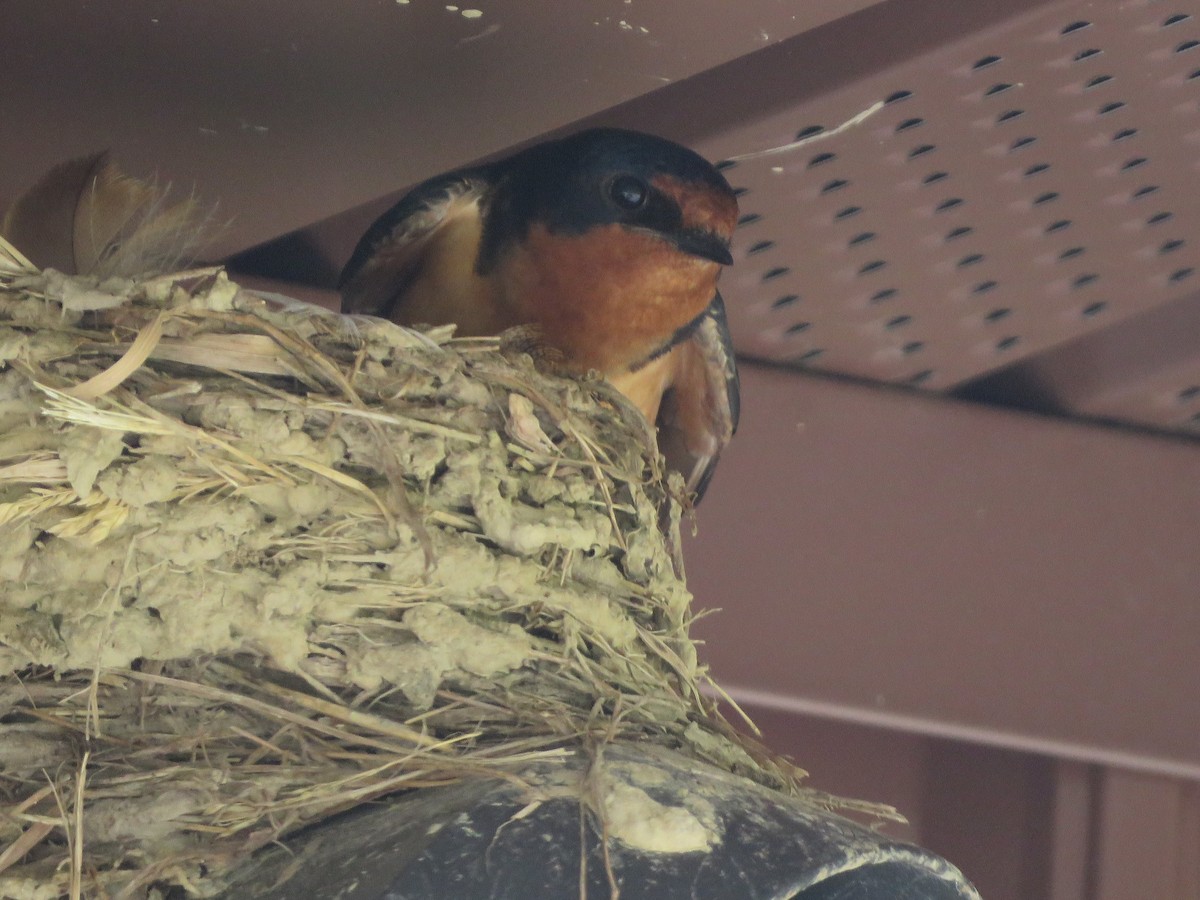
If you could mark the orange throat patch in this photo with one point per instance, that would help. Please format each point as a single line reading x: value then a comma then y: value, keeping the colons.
x: 607, y: 298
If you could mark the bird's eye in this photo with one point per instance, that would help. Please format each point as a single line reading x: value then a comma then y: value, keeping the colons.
x: 628, y: 193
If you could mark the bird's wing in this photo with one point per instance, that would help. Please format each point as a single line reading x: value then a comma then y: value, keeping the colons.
x: 393, y: 251
x: 699, y: 413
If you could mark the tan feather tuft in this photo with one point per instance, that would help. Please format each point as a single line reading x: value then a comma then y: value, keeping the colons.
x: 86, y: 217
x: 41, y: 223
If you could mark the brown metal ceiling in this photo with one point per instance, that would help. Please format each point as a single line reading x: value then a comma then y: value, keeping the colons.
x: 289, y: 111
x: 1026, y: 195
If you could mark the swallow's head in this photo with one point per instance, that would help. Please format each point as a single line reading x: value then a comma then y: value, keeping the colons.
x: 611, y: 177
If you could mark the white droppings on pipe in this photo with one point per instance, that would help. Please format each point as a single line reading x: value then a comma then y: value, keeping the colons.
x: 636, y: 819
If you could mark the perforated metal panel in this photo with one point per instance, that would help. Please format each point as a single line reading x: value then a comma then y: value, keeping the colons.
x: 1022, y: 188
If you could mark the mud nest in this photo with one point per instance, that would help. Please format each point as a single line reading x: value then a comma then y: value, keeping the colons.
x: 263, y: 563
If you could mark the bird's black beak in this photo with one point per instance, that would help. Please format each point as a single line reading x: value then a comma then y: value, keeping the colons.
x: 705, y: 244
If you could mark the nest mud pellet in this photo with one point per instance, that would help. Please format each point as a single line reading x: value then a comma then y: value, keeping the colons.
x: 263, y: 563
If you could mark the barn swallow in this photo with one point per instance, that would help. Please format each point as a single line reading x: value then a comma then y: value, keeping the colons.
x: 606, y: 244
